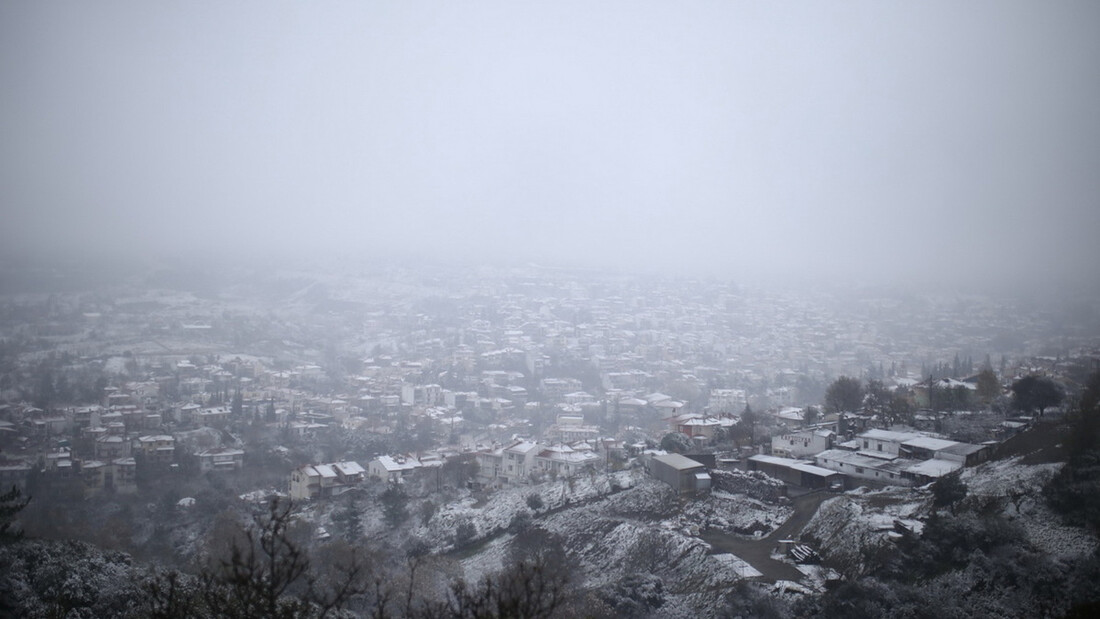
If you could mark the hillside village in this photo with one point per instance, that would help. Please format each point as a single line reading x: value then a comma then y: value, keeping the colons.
x: 409, y: 400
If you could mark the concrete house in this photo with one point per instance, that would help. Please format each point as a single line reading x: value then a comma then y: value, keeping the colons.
x: 564, y: 461
x: 124, y: 475
x: 518, y: 460
x: 159, y: 448
x: 112, y: 446
x: 95, y: 474
x: 349, y: 473
x: 393, y: 468
x: 221, y: 459
x: 321, y: 481
x: 312, y: 482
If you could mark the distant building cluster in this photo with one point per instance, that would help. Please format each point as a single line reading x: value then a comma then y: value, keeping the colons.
x: 525, y: 375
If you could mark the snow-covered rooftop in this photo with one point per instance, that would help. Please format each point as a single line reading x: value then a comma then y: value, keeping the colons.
x: 392, y: 464
x: 934, y: 467
x: 348, y: 468
x: 889, y: 435
x: 927, y: 442
x: 678, y: 462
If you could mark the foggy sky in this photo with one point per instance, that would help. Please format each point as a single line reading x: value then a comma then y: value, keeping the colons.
x: 874, y: 139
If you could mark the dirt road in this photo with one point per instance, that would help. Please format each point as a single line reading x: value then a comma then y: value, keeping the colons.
x: 757, y: 552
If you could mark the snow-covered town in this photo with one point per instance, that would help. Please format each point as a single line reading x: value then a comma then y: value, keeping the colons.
x: 672, y: 442
x: 549, y: 310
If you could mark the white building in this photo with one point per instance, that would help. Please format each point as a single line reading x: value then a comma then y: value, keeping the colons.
x: 518, y: 460
x: 564, y: 461
x: 393, y: 468
x: 802, y: 444
x: 312, y: 482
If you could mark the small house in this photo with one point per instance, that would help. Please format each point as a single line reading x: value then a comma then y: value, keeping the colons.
x: 686, y: 476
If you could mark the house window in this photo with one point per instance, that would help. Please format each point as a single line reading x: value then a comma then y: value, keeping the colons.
x: 865, y: 444
x: 880, y: 446
x: 859, y: 469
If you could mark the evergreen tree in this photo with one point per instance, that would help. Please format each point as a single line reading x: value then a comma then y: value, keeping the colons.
x: 237, y: 407
x: 395, y: 505
x: 749, y: 419
x: 988, y: 385
x: 810, y: 415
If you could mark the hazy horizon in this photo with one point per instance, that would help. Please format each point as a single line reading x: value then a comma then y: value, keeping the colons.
x: 878, y: 141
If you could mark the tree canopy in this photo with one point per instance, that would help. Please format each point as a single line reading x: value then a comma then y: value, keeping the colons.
x: 1072, y: 492
x: 1036, y: 393
x: 844, y: 395
x: 676, y: 442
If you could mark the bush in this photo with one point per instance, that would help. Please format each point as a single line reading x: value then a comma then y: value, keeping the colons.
x: 465, y: 532
x: 534, y: 501
x: 948, y: 490
x: 949, y: 541
x: 636, y: 595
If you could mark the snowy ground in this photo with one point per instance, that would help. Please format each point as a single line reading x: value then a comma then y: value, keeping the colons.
x: 1019, y: 488
x: 744, y: 570
x: 502, y: 506
x: 734, y: 513
x: 642, y: 527
x: 858, y: 519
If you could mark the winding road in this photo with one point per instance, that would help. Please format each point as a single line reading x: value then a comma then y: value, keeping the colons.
x: 757, y: 552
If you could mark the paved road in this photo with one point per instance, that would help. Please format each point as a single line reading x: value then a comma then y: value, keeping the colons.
x: 757, y: 552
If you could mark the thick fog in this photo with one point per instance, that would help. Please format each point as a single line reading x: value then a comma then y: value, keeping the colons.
x: 888, y: 140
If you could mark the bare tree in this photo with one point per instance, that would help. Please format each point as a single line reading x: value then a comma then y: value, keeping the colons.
x: 530, y: 589
x: 266, y: 574
x: 259, y: 571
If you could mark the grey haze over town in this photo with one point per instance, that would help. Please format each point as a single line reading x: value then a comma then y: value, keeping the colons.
x: 879, y: 140
x: 549, y: 309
